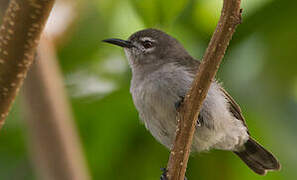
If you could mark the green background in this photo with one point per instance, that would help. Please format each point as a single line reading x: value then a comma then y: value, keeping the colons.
x: 259, y: 70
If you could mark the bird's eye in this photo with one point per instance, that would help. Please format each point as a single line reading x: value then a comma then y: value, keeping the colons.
x: 147, y: 44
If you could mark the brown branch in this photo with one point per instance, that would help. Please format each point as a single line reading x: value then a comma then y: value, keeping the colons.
x: 188, y: 114
x: 3, y: 6
x: 22, y: 25
x: 54, y: 142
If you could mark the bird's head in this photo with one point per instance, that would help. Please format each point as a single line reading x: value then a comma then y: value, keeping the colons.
x: 150, y: 46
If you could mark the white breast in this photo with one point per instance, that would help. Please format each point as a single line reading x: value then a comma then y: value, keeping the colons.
x: 155, y: 97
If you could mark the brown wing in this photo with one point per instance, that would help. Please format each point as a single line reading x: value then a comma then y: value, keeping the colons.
x: 234, y: 107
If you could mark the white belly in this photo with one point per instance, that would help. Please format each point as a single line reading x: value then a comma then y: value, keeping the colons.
x: 155, y: 103
x: 224, y: 131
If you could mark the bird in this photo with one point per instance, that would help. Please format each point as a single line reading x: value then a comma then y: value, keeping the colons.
x: 162, y: 74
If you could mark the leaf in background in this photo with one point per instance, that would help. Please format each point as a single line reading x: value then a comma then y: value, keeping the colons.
x: 84, y: 44
x: 155, y: 12
x: 206, y: 14
x: 125, y: 20
x: 147, y: 10
x: 170, y: 11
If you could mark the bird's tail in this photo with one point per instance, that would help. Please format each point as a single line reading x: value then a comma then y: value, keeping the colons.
x: 257, y: 158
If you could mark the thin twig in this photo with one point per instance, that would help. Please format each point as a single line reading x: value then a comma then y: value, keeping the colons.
x: 22, y: 25
x: 188, y: 114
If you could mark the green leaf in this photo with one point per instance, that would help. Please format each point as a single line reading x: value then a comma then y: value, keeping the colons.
x: 158, y: 13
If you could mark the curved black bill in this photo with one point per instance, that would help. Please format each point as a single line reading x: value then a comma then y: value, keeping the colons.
x: 119, y: 42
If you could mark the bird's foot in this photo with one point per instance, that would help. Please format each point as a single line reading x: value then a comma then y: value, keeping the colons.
x: 177, y: 106
x: 199, y: 121
x: 179, y: 102
x: 164, y: 174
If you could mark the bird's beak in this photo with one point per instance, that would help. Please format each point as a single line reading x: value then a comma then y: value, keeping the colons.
x: 119, y: 42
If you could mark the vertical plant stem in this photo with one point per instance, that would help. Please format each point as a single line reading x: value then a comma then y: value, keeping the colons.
x: 55, y: 145
x: 189, y: 111
x: 20, y: 31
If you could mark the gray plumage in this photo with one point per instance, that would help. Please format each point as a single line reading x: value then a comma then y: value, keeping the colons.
x: 162, y: 73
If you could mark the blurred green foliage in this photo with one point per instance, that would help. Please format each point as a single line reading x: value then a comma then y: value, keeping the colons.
x: 259, y: 70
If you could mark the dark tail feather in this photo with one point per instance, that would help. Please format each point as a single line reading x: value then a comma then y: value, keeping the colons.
x: 257, y: 158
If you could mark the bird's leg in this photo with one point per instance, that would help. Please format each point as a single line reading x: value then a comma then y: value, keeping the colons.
x: 164, y: 174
